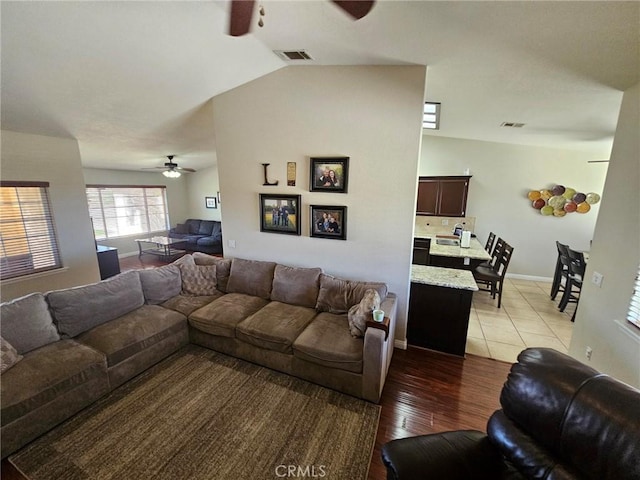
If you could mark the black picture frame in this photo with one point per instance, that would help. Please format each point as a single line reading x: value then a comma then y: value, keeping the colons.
x: 210, y: 202
x: 321, y: 178
x: 328, y: 221
x: 288, y: 218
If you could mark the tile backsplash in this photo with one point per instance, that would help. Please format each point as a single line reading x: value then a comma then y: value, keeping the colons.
x: 441, y: 225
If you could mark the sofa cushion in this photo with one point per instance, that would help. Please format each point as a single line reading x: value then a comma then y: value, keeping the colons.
x: 27, y: 323
x: 328, y: 342
x: 198, y: 279
x: 338, y: 295
x: 193, y: 225
x: 181, y: 228
x: 223, y: 315
x: 206, y: 227
x: 47, y: 373
x: 223, y: 267
x: 251, y: 277
x: 79, y: 309
x: 186, y: 304
x: 160, y: 284
x: 9, y: 356
x: 133, y: 332
x: 275, y: 326
x: 297, y: 286
x: 207, y: 241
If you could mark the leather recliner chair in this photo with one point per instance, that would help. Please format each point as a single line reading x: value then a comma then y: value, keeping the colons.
x: 560, y: 419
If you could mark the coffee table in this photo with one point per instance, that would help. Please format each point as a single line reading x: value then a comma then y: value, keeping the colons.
x: 163, y: 247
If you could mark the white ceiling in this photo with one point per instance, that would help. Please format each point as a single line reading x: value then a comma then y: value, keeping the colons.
x: 131, y: 81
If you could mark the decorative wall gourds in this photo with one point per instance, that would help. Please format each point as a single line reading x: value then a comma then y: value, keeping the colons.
x: 560, y: 200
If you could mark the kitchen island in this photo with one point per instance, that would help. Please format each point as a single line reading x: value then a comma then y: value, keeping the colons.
x: 439, y: 306
x: 454, y: 256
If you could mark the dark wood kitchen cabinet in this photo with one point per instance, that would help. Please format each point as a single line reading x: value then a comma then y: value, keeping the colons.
x: 443, y: 196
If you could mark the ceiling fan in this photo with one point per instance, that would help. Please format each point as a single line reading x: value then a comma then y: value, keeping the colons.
x: 242, y: 12
x: 171, y: 169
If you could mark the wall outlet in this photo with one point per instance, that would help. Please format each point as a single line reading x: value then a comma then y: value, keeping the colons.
x: 467, y: 261
x: 445, y: 221
x: 232, y: 244
x: 596, y: 279
x: 588, y: 352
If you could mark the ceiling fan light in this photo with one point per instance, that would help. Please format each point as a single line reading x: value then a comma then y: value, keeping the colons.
x: 171, y: 173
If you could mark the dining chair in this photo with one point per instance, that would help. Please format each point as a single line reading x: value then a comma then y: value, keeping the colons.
x: 562, y: 270
x: 490, y: 240
x: 493, y: 276
x: 575, y: 277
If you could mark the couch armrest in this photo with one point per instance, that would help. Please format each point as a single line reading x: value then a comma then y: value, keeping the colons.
x: 377, y: 353
x: 458, y: 455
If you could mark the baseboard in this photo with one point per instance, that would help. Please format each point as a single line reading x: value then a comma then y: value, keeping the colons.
x: 127, y: 254
x: 401, y: 344
x: 532, y: 278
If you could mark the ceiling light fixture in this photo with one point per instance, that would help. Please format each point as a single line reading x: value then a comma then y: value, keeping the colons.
x: 171, y: 173
x: 431, y: 116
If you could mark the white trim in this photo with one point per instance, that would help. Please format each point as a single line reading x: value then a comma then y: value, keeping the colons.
x: 532, y: 278
x: 128, y: 254
x: 10, y: 281
x: 401, y: 344
x: 628, y: 330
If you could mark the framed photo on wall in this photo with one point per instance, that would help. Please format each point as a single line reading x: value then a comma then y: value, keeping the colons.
x: 211, y: 202
x: 329, y: 221
x: 280, y: 213
x: 329, y: 174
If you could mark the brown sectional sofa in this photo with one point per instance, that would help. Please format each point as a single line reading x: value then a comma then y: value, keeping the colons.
x: 73, y: 346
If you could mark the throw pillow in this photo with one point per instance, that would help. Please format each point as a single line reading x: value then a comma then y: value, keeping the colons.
x: 27, y: 323
x: 223, y: 267
x: 8, y: 356
x: 198, y: 279
x: 160, y: 284
x: 360, y: 313
x: 338, y: 295
x: 182, y: 228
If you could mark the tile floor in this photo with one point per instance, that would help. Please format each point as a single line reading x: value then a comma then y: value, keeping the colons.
x: 527, y: 318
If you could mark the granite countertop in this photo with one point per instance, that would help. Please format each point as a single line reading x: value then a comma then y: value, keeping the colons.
x: 443, y: 277
x: 476, y: 249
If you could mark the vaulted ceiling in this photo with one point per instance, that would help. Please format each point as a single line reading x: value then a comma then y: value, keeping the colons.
x: 132, y: 81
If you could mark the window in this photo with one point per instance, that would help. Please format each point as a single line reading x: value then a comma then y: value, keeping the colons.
x: 634, y: 307
x: 431, y: 116
x: 118, y: 211
x: 27, y: 237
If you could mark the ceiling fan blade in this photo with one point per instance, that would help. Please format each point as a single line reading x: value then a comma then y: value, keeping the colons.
x: 356, y: 8
x: 185, y: 169
x: 240, y: 17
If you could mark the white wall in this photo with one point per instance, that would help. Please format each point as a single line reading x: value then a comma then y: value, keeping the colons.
x: 57, y: 161
x: 502, y: 176
x: 203, y: 183
x: 370, y: 114
x: 600, y: 319
x: 177, y: 198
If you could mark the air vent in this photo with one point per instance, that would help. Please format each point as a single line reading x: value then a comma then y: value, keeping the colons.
x: 289, y: 55
x: 512, y: 125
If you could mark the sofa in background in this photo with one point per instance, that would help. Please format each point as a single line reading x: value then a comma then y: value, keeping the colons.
x: 203, y: 236
x: 560, y: 420
x: 64, y: 349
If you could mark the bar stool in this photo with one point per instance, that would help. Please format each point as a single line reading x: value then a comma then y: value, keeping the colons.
x: 562, y: 270
x: 573, y: 286
x: 493, y: 276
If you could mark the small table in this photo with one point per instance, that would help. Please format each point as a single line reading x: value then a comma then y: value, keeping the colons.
x: 163, y: 247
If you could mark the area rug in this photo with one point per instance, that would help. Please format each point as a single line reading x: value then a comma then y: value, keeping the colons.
x: 203, y: 415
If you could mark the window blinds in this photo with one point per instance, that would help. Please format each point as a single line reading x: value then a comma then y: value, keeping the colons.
x: 28, y: 241
x: 634, y: 306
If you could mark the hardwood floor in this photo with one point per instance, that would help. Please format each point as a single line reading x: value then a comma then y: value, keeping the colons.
x: 425, y: 392
x: 429, y: 392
